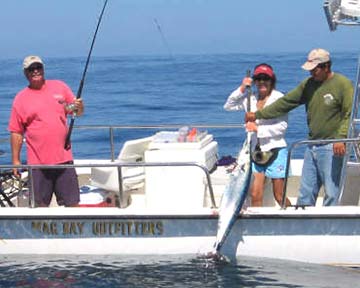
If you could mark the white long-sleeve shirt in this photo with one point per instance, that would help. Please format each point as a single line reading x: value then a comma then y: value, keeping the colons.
x: 271, y: 132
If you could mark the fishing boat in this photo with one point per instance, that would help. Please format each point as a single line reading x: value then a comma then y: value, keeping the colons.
x: 160, y: 195
x: 162, y: 198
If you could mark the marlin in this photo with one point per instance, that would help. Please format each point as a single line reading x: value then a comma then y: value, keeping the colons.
x: 234, y: 196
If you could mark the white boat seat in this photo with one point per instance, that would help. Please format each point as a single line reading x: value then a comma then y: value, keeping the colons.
x: 133, y: 150
x: 107, y: 178
x: 132, y: 177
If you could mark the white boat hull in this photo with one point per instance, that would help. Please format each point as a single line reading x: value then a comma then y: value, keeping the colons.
x: 326, y: 235
x: 164, y: 207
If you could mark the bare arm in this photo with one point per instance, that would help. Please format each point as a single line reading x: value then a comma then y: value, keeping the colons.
x: 16, y: 141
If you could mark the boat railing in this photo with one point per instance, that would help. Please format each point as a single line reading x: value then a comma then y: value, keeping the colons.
x: 120, y: 196
x: 113, y: 140
x: 112, y: 128
x: 314, y: 142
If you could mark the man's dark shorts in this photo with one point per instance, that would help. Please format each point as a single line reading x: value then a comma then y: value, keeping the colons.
x: 63, y: 182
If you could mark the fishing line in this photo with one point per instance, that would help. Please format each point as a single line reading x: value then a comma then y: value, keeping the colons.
x: 163, y: 39
x: 81, y: 85
x: 249, y: 92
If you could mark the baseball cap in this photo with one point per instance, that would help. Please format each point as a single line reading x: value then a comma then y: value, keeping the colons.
x: 264, y: 69
x: 316, y: 57
x: 29, y: 60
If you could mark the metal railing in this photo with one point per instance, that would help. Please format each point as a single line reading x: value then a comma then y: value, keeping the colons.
x: 314, y: 142
x: 112, y: 128
x: 120, y: 201
x: 120, y: 197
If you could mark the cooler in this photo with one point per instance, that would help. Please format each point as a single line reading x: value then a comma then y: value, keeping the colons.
x: 178, y: 187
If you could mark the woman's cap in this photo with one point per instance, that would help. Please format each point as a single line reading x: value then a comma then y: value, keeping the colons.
x: 264, y: 69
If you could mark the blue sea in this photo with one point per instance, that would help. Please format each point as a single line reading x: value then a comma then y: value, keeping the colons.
x: 157, y: 90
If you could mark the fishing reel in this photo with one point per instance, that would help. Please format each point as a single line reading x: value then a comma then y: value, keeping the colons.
x: 70, y: 108
x: 263, y: 157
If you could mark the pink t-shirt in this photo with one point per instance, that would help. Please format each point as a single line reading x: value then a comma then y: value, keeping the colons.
x: 41, y: 116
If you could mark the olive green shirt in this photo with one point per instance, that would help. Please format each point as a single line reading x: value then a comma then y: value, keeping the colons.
x: 328, y: 105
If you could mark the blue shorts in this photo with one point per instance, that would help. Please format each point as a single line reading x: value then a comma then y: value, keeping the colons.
x: 276, y: 169
x: 63, y: 182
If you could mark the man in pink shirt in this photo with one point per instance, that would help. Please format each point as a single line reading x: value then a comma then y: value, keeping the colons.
x: 39, y: 114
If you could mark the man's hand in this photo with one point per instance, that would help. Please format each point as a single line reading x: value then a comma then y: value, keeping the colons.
x: 250, y: 117
x: 339, y: 149
x: 79, y: 106
x: 15, y: 170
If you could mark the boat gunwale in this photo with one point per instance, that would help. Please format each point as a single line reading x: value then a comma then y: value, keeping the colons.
x: 345, y: 212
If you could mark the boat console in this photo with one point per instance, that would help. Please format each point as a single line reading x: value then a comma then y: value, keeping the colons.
x: 166, y: 180
x: 178, y: 186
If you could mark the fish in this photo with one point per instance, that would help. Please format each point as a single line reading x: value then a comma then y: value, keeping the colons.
x: 234, y: 196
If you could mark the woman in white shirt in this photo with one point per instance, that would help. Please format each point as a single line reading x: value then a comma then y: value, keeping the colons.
x: 269, y: 134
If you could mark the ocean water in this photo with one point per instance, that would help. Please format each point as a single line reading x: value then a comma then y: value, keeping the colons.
x: 154, y: 90
x: 157, y: 90
x: 168, y: 271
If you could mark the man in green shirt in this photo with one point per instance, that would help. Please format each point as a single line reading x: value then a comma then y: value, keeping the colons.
x: 328, y: 98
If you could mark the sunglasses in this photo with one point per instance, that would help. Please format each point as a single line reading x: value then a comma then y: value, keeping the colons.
x: 321, y: 65
x: 262, y: 78
x: 32, y: 68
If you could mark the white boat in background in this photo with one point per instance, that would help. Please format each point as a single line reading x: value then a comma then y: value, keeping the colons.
x: 159, y: 196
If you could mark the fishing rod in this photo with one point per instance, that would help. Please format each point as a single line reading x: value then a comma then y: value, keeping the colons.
x: 81, y: 85
x: 249, y: 92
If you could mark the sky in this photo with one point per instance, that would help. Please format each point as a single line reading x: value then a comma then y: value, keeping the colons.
x: 65, y: 28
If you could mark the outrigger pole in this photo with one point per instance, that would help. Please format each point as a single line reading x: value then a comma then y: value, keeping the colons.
x: 81, y: 85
